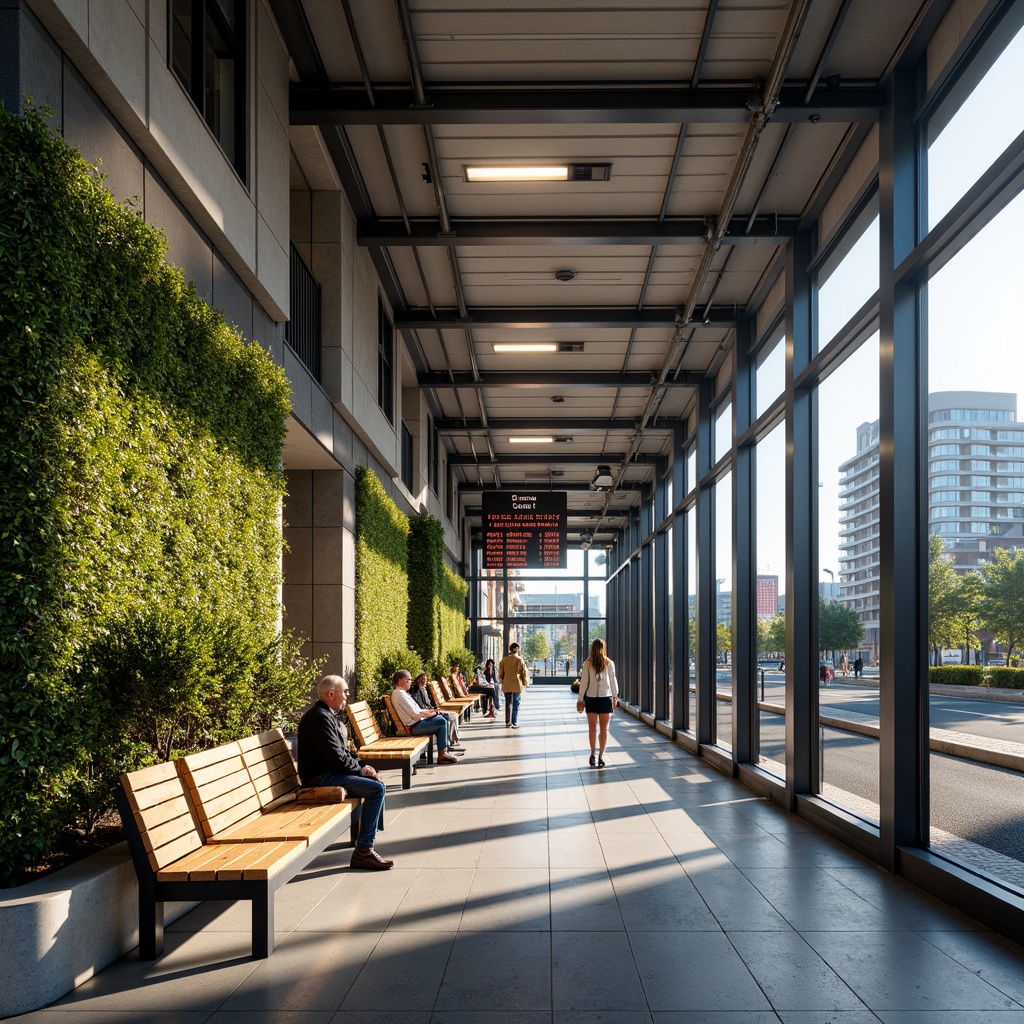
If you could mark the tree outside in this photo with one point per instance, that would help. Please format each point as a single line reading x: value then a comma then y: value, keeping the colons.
x: 536, y: 647
x: 954, y: 602
x: 1002, y: 598
x: 839, y: 627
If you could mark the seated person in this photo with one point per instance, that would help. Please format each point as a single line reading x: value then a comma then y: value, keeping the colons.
x: 326, y: 760
x: 421, y: 694
x: 420, y: 721
x: 488, y: 691
x: 488, y: 676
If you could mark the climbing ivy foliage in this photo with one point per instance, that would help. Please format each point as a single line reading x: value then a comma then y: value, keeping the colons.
x: 140, y: 490
x: 437, y: 598
x: 382, y: 585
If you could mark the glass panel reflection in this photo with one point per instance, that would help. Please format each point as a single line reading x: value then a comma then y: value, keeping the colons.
x: 723, y: 612
x: 848, y: 589
x: 770, y: 679
x: 976, y: 553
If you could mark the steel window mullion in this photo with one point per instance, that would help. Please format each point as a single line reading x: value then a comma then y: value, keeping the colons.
x: 661, y: 610
x: 801, y: 529
x: 680, y: 598
x: 903, y: 513
x: 706, y: 604
x: 744, y: 590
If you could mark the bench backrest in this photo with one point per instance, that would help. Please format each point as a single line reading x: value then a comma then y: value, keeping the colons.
x: 437, y: 692
x: 271, y: 768
x: 364, y: 725
x: 220, y: 787
x: 400, y: 727
x: 161, y: 813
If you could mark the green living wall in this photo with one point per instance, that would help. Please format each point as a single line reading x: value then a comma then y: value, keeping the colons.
x: 382, y: 585
x: 437, y: 598
x: 140, y: 489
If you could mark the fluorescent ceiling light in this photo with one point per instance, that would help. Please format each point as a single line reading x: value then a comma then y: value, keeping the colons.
x: 552, y: 173
x: 525, y: 346
x: 531, y: 440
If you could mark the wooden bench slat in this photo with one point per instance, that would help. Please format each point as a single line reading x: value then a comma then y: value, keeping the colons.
x: 304, y: 823
x: 143, y: 797
x: 167, y: 810
x: 162, y: 833
x: 233, y: 862
x: 168, y: 853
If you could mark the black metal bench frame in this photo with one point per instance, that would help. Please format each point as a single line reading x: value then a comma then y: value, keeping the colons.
x: 260, y: 893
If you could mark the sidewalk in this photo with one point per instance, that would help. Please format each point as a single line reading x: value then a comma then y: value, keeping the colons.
x: 530, y: 889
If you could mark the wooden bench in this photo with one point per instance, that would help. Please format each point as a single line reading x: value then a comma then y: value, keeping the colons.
x: 235, y: 844
x: 461, y: 706
x: 383, y: 752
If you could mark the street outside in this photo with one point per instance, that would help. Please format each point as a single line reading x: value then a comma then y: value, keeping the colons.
x: 974, y: 801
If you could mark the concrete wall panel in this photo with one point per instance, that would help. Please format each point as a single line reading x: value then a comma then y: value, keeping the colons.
x: 188, y: 248
x: 297, y: 562
x: 35, y: 58
x: 89, y: 127
x: 232, y: 297
x: 117, y: 39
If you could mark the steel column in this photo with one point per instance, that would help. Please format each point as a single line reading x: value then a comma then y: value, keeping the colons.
x: 680, y: 575
x: 744, y: 590
x: 646, y: 528
x: 903, y: 512
x: 706, y: 604
x: 661, y: 610
x: 802, y: 531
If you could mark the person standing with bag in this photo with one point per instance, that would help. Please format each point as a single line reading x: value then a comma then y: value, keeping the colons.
x: 599, y: 695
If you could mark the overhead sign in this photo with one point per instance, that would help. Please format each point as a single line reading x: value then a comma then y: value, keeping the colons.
x: 524, y: 530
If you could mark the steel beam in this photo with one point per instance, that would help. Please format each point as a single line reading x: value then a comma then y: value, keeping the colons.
x: 552, y: 459
x: 554, y: 485
x: 550, y: 424
x: 559, y: 318
x: 693, y: 231
x: 440, y: 380
x: 346, y: 103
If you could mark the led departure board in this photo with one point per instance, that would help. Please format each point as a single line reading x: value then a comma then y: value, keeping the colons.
x: 524, y: 530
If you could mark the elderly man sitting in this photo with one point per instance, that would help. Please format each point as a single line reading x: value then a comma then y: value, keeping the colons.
x: 326, y: 760
x: 420, y: 721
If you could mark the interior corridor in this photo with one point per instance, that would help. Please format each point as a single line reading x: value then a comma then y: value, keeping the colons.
x: 529, y: 888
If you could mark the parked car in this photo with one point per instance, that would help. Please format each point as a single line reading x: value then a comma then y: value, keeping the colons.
x: 826, y: 673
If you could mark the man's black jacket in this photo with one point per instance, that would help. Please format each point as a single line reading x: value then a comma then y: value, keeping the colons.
x: 323, y: 745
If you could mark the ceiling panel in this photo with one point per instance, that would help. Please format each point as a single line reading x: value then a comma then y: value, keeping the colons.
x: 547, y: 48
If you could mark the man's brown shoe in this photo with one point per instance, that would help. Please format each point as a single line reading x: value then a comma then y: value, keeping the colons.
x: 367, y: 857
x: 447, y: 759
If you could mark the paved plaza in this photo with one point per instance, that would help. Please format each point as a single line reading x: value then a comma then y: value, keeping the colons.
x: 531, y: 889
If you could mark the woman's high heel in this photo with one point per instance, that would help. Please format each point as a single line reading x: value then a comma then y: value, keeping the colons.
x: 600, y: 764
x: 593, y: 760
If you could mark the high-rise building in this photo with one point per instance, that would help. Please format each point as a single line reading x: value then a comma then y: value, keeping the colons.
x: 975, y: 492
x: 767, y: 596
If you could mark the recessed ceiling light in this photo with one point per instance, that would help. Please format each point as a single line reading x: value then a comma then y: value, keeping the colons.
x: 525, y: 346
x: 557, y: 172
x: 531, y: 440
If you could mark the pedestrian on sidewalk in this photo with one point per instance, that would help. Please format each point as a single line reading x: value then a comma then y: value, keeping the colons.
x: 599, y: 695
x: 513, y: 678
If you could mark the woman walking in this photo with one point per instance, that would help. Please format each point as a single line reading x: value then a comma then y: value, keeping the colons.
x: 599, y: 694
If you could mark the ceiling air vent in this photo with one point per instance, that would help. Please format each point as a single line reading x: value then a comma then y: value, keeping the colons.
x: 570, y: 346
x: 590, y: 172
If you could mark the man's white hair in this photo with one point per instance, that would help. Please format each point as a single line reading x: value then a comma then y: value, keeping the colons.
x: 327, y: 683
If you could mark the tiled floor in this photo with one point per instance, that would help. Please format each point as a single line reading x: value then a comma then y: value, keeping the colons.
x: 530, y: 889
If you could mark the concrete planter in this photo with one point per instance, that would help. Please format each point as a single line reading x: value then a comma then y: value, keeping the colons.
x: 59, y: 931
